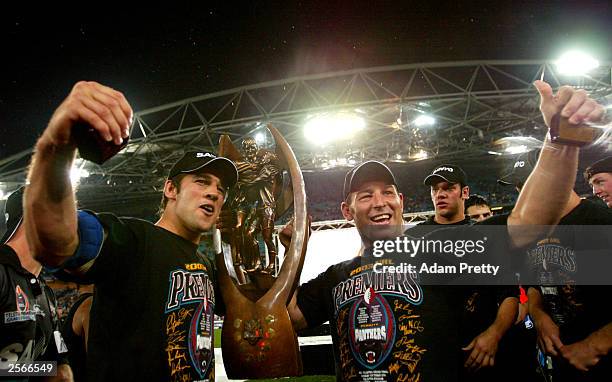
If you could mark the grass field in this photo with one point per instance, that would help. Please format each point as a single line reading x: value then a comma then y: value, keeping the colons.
x: 217, y: 338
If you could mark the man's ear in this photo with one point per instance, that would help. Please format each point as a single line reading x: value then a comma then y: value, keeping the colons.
x: 170, y: 190
x: 346, y: 211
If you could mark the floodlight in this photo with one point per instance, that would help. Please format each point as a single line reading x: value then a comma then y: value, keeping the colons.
x: 326, y: 128
x: 517, y: 149
x: 260, y: 138
x: 424, y: 120
x: 76, y: 173
x: 420, y: 155
x: 575, y: 63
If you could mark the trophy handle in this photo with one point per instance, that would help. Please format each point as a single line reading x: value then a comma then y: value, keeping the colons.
x: 227, y: 149
x: 284, y: 286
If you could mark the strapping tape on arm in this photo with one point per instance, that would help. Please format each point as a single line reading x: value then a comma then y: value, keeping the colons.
x: 91, y: 237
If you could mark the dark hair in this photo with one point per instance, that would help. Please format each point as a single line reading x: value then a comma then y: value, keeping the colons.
x: 176, y: 181
x: 475, y: 200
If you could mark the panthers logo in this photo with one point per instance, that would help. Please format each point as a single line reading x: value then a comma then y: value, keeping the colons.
x: 372, y: 329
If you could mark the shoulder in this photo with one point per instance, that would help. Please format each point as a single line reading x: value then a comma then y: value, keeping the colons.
x: 336, y: 272
x: 501, y: 219
x: 590, y: 212
x: 430, y: 221
x: 123, y: 228
x: 110, y: 219
x: 346, y: 265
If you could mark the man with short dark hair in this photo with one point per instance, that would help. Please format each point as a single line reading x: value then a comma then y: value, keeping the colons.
x: 154, y: 302
x: 477, y: 208
x: 449, y: 191
x: 487, y: 312
x: 599, y: 177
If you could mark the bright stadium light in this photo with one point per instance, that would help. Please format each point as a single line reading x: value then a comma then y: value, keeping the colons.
x: 260, y: 138
x: 76, y: 173
x: 420, y: 155
x: 424, y: 120
x: 325, y: 128
x: 517, y: 149
x: 575, y: 63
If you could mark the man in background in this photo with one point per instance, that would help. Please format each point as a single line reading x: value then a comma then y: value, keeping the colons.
x: 477, y: 208
x: 599, y: 177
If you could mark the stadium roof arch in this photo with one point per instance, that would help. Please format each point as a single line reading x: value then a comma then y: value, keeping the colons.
x: 474, y: 103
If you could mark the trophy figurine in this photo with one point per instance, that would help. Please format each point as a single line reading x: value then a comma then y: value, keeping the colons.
x: 258, y: 340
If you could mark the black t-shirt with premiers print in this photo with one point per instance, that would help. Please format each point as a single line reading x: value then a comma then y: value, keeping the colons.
x: 152, y: 316
x: 385, y: 327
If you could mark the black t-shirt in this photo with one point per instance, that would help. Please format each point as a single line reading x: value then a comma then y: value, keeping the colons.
x: 430, y: 225
x: 389, y: 326
x: 77, y: 354
x: 480, y: 302
x: 28, y: 317
x: 562, y: 262
x: 577, y: 309
x: 385, y: 327
x: 152, y: 314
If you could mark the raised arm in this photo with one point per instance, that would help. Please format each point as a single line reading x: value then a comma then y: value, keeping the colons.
x: 50, y: 209
x: 549, y: 186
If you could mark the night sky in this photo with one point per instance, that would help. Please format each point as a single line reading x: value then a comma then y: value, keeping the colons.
x: 160, y: 54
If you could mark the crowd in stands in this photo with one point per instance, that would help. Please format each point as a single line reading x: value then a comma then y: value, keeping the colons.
x: 65, y: 292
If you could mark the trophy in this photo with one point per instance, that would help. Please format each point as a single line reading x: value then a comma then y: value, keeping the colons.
x: 258, y: 340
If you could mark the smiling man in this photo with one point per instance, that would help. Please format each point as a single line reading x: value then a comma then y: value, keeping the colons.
x: 152, y: 313
x: 373, y: 202
x: 599, y: 177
